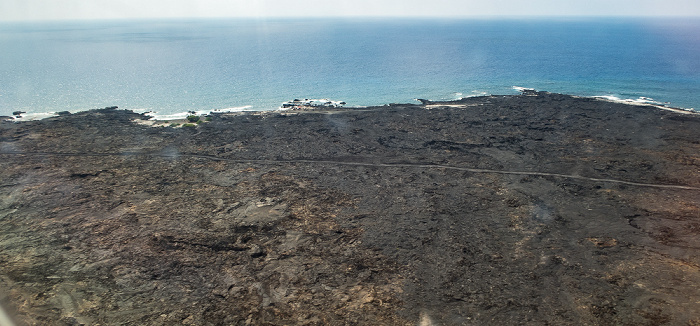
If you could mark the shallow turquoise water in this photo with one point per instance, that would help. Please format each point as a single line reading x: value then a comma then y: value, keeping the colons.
x: 178, y: 65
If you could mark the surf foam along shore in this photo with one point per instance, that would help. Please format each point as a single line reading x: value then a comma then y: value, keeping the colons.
x: 645, y: 101
x: 642, y: 100
x: 31, y: 116
x: 183, y: 115
x: 179, y: 116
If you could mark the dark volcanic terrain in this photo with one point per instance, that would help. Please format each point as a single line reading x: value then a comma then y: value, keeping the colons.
x: 498, y: 210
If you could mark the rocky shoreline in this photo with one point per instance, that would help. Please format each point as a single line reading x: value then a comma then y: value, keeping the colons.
x: 529, y: 209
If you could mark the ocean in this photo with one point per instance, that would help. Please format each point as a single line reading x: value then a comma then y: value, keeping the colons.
x: 173, y: 66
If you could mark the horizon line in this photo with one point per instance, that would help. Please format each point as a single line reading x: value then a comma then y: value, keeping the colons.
x: 350, y: 17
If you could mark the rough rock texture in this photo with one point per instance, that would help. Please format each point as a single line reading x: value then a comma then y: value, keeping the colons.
x: 538, y: 210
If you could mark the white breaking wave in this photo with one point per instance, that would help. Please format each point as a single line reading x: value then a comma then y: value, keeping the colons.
x: 149, y: 112
x: 474, y: 93
x: 522, y: 89
x: 477, y: 93
x: 183, y: 115
x: 235, y: 109
x: 33, y: 116
x: 640, y: 100
x: 645, y: 101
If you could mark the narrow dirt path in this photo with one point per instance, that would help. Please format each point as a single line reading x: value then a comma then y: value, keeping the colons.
x: 389, y: 165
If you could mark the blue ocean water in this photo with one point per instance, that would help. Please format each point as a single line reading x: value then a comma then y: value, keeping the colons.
x: 172, y: 66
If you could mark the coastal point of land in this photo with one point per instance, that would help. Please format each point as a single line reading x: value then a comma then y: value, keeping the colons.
x: 527, y: 209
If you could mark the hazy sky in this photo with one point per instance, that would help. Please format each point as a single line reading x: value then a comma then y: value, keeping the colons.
x: 110, y: 9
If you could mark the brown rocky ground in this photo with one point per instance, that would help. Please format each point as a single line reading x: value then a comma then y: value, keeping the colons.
x: 537, y: 210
